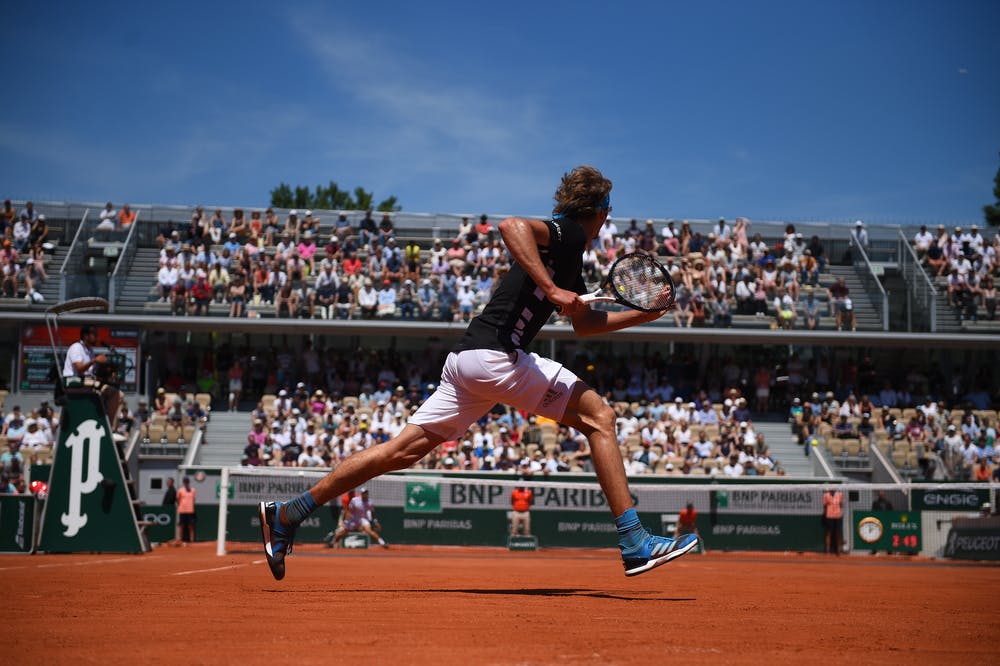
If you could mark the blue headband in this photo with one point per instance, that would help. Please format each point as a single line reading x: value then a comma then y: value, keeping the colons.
x: 605, y: 203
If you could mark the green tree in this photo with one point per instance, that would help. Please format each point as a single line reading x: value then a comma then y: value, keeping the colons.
x: 329, y: 197
x: 992, y: 212
x: 281, y: 196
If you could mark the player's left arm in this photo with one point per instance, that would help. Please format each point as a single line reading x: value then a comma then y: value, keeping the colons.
x: 589, y: 321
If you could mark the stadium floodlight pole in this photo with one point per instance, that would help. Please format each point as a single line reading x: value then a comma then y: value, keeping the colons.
x: 84, y: 304
x: 220, y: 548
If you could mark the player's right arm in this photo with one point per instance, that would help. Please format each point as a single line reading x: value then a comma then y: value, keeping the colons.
x: 522, y: 238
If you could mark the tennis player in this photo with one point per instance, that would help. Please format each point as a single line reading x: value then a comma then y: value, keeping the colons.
x: 490, y: 365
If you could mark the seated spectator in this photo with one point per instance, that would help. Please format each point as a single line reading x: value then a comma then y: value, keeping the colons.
x: 345, y: 301
x: 179, y: 296
x: 810, y: 310
x: 21, y: 234
x: 8, y: 216
x: 237, y: 295
x: 386, y: 229
x: 784, y: 309
x: 286, y: 301
x: 733, y: 468
x: 484, y: 229
x: 342, y: 227
x: 108, y: 218
x: 12, y: 277
x: 922, y: 241
x: 683, y: 315
x: 722, y: 316
x: 367, y: 298
x: 201, y: 295
x: 386, y: 306
x: 367, y: 229
x: 126, y: 217
x: 39, y: 234
x: 844, y: 429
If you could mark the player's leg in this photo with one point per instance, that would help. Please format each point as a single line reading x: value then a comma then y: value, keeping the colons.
x: 366, y: 527
x: 279, y: 520
x: 641, y: 551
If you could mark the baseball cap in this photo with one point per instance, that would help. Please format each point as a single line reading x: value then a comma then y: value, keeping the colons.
x: 743, y: 424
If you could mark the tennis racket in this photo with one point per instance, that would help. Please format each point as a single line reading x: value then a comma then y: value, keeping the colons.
x: 638, y: 281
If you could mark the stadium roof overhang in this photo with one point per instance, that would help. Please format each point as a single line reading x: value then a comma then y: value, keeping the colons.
x: 643, y: 333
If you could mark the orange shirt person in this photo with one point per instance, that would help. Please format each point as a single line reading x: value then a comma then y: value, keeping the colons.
x: 185, y: 510
x: 521, y: 499
x: 833, y: 515
x: 126, y: 216
x: 687, y: 521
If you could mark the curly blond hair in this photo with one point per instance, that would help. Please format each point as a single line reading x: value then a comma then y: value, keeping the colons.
x: 582, y: 193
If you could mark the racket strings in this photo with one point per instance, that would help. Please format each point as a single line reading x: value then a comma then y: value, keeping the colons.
x: 643, y: 283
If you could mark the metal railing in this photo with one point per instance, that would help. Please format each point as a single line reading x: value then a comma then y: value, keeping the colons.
x: 869, y: 280
x: 120, y: 273
x: 69, y: 255
x: 921, y: 294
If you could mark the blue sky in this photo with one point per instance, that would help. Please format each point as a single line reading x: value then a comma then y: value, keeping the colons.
x: 801, y: 110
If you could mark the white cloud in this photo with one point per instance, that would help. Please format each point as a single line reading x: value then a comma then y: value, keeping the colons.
x: 420, y: 127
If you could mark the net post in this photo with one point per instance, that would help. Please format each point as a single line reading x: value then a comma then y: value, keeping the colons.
x: 220, y: 546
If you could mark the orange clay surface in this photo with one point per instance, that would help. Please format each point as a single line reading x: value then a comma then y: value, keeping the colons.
x: 419, y: 605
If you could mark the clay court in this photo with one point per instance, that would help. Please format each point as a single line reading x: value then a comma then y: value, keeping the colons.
x: 416, y: 605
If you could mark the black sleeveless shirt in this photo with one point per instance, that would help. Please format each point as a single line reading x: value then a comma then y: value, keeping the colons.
x: 518, y: 308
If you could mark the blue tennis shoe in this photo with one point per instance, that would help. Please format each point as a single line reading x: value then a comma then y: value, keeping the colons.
x: 277, y: 538
x: 656, y: 550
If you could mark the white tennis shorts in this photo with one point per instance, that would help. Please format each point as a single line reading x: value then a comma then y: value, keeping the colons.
x: 474, y: 380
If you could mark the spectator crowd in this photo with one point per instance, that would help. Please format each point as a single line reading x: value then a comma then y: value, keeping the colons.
x: 969, y: 265
x: 303, y: 267
x: 24, y: 243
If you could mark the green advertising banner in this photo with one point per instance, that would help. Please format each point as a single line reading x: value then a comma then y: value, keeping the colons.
x: 891, y: 531
x: 163, y: 522
x: 17, y: 523
x: 944, y: 499
x: 243, y: 524
x: 88, y: 508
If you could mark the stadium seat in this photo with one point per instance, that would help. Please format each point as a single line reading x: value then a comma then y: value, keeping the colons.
x: 205, y: 400
x: 156, y: 432
x: 852, y: 446
x: 835, y: 446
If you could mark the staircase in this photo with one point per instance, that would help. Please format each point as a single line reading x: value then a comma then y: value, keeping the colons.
x: 138, y: 288
x: 865, y: 312
x: 50, y: 288
x: 224, y: 439
x: 785, y: 450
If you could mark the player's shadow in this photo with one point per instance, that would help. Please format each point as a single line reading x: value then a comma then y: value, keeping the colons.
x: 563, y: 592
x: 525, y: 592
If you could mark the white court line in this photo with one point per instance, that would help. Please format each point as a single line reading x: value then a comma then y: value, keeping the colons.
x: 231, y: 566
x: 74, y: 564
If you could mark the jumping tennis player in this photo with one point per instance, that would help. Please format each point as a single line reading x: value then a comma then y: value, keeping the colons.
x: 490, y: 365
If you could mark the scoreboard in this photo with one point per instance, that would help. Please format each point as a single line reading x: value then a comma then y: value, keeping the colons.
x: 893, y: 531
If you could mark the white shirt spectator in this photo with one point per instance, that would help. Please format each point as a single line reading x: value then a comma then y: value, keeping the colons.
x: 78, y: 353
x: 922, y: 240
x: 703, y: 448
x: 34, y: 438
x: 308, y: 458
x: 733, y: 469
